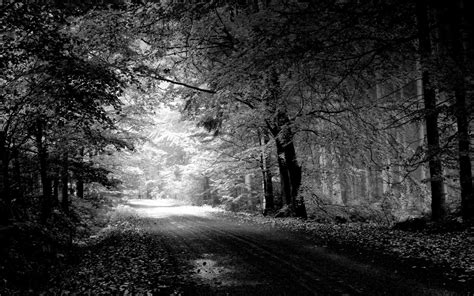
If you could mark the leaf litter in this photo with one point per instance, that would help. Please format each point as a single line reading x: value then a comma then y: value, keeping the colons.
x: 446, y: 255
x: 125, y: 258
x: 128, y: 258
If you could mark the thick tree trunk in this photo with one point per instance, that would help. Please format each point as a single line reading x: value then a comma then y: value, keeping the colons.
x: 290, y: 171
x: 284, y: 174
x: 46, y: 201
x: 280, y: 127
x: 431, y: 115
x: 268, y: 203
x: 294, y: 168
x: 65, y: 181
x: 295, y: 179
x: 458, y: 35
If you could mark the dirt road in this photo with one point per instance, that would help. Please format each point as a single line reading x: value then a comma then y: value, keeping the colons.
x: 245, y: 259
x: 215, y: 256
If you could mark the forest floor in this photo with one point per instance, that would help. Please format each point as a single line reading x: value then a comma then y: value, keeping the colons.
x: 444, y: 255
x: 152, y: 248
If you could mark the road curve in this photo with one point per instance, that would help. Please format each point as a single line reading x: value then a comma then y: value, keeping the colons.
x: 231, y: 258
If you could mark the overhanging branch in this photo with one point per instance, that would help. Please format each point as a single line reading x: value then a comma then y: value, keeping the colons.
x: 146, y: 72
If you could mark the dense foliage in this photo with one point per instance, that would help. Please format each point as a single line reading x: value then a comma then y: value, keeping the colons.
x: 333, y: 110
x: 58, y: 109
x: 320, y: 103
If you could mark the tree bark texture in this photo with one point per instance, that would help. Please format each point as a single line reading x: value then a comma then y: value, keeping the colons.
x: 290, y: 171
x: 431, y: 114
x: 279, y: 125
x: 284, y: 174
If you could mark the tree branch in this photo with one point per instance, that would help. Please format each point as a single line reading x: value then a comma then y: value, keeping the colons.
x: 147, y: 72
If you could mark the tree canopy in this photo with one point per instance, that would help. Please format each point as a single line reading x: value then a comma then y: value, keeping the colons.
x: 295, y: 104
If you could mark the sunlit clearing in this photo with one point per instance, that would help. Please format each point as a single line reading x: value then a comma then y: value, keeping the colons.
x: 160, y: 208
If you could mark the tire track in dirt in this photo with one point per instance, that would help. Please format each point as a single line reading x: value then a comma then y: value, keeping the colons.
x: 206, y: 244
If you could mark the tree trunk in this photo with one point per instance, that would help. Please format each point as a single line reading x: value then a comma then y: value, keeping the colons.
x: 248, y: 190
x: 268, y: 198
x: 431, y: 115
x: 279, y: 125
x: 46, y: 202
x: 65, y: 182
x: 295, y: 178
x: 294, y: 168
x: 55, y: 197
x: 290, y: 171
x: 79, y: 176
x: 5, y: 202
x: 80, y: 187
x: 465, y: 170
x: 458, y: 35
x: 17, y: 186
x: 206, y: 189
x: 265, y: 167
x: 345, y: 182
x: 284, y: 174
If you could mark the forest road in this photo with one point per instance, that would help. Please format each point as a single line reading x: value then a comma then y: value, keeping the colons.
x: 225, y: 257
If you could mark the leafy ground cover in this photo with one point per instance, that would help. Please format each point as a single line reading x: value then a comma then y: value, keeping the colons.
x: 136, y: 264
x: 446, y: 254
x: 127, y: 256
